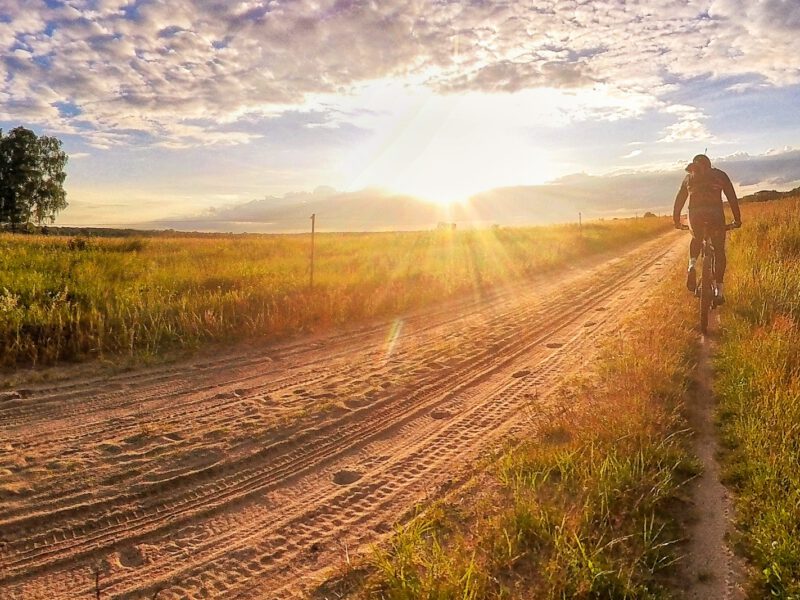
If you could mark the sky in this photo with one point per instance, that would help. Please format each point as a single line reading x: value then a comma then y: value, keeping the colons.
x: 176, y: 108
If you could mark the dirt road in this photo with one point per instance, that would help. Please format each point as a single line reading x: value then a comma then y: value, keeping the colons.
x: 248, y: 475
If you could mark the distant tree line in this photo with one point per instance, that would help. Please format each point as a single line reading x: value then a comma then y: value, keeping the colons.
x: 31, y: 178
x: 767, y: 195
x: 114, y: 232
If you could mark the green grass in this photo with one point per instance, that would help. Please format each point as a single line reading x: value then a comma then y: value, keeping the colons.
x: 758, y: 384
x: 72, y: 299
x: 584, y: 508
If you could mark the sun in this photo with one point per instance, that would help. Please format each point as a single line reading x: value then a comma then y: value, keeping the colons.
x: 446, y: 149
x: 448, y: 170
x: 440, y: 188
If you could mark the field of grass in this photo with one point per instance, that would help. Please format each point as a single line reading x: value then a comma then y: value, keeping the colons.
x: 758, y: 383
x: 77, y: 298
x: 582, y: 510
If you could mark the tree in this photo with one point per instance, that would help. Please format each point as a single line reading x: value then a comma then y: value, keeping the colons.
x: 31, y: 177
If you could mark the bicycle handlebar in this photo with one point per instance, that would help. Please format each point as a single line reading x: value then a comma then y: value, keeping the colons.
x: 728, y: 226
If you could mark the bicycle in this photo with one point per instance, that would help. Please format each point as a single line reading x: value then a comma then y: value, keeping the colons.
x: 706, y: 288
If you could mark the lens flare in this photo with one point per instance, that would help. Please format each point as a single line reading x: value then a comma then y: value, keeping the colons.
x: 391, y: 339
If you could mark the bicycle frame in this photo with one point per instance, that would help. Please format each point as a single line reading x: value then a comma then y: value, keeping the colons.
x: 706, y: 288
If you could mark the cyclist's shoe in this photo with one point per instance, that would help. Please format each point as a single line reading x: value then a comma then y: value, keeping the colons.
x: 719, y: 298
x: 691, y: 279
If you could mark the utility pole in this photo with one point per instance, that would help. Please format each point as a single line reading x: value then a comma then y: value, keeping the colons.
x: 313, y: 223
x: 580, y: 224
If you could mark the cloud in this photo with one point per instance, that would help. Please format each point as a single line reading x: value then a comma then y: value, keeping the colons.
x: 689, y: 127
x: 773, y: 168
x: 687, y: 130
x: 634, y: 191
x: 138, y: 73
x: 510, y: 76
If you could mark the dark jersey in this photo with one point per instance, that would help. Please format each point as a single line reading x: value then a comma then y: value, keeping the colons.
x: 704, y: 192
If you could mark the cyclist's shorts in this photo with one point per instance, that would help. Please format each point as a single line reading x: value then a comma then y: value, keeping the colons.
x: 702, y: 219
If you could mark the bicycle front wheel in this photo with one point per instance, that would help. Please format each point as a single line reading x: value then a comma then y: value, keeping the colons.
x: 706, y: 294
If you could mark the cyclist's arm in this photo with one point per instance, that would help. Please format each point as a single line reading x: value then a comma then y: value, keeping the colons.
x: 733, y: 201
x: 680, y: 201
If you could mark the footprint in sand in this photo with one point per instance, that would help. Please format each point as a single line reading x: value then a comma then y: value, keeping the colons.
x: 382, y: 527
x: 346, y: 477
x: 109, y: 448
x: 554, y: 344
x: 354, y: 403
x: 130, y: 557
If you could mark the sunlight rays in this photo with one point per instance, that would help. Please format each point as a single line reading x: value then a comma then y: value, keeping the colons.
x: 395, y: 329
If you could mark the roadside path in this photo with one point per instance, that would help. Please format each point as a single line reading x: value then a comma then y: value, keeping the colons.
x: 710, y: 569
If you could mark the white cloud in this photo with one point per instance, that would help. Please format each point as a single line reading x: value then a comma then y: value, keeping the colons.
x: 687, y: 130
x: 689, y: 127
x: 145, y: 72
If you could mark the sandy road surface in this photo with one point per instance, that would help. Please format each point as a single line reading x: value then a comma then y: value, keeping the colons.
x: 247, y: 475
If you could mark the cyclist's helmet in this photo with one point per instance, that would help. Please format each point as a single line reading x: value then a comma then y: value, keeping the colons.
x: 699, y: 163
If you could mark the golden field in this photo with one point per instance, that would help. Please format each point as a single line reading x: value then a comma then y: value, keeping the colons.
x: 77, y: 298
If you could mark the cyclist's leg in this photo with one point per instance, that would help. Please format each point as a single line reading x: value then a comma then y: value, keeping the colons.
x: 697, y: 228
x: 720, y: 262
x: 694, y: 246
x: 718, y: 239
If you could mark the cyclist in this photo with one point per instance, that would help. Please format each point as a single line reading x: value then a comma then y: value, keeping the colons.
x: 703, y: 186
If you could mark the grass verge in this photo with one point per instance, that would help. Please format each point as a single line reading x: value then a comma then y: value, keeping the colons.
x: 758, y: 385
x: 583, y: 508
x: 71, y: 299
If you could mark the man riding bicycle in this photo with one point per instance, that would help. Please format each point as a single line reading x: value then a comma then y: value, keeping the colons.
x: 703, y: 186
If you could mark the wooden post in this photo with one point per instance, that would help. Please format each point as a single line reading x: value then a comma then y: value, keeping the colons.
x: 313, y: 223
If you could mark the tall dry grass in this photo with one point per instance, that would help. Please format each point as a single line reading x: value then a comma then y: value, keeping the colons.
x: 68, y: 299
x: 758, y: 383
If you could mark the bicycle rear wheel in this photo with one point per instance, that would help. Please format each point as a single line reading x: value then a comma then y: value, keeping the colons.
x: 706, y: 292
